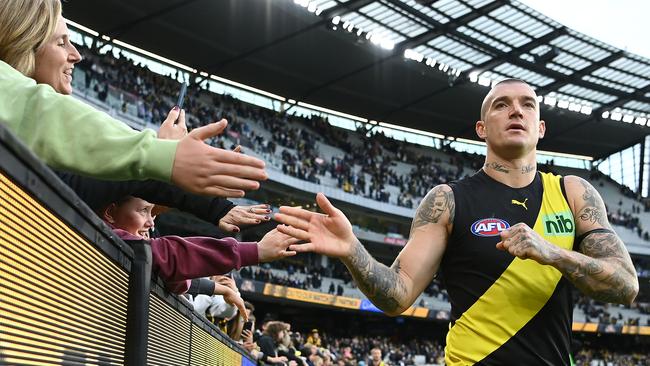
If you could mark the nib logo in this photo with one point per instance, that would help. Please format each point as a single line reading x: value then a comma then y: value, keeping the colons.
x: 559, y: 224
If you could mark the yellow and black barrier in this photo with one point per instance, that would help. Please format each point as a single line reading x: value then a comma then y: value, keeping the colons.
x: 72, y: 293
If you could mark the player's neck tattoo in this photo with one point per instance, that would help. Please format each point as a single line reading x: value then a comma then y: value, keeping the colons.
x: 504, y: 169
x: 527, y: 168
x: 497, y: 167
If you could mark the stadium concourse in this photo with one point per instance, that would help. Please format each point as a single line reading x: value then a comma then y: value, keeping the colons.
x: 306, y: 310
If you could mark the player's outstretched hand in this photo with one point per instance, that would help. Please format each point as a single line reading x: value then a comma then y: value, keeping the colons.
x: 329, y: 233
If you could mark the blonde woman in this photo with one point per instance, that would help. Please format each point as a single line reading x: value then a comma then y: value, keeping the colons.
x: 71, y: 135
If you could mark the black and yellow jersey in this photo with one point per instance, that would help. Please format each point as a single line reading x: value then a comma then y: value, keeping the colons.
x: 507, y: 311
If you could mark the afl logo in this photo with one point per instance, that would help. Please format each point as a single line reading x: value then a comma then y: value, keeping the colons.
x: 489, y: 227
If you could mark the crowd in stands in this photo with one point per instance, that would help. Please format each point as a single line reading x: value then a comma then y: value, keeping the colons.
x: 365, y: 167
x: 276, y: 343
x: 314, y: 274
x: 605, y: 357
x: 363, y: 170
x: 601, y: 313
x: 620, y: 216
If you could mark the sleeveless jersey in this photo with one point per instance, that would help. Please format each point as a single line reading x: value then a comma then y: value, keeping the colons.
x: 505, y: 310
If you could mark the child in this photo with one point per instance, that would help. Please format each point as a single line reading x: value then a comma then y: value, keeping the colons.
x: 177, y: 259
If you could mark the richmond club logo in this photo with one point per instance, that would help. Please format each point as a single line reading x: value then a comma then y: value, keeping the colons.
x: 489, y: 227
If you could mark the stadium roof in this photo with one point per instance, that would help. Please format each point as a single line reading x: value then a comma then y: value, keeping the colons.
x: 423, y: 64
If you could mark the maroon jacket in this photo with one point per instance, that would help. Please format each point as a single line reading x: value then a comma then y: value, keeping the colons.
x: 178, y: 260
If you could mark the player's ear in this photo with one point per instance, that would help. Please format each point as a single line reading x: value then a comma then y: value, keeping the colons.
x: 481, y: 131
x: 542, y: 129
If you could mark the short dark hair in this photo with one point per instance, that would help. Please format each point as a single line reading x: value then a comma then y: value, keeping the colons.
x: 274, y: 328
x: 487, y: 100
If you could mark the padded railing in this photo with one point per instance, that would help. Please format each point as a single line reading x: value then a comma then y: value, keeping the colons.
x: 72, y: 293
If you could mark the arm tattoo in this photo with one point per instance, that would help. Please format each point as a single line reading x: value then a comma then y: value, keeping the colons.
x: 593, y: 210
x: 438, y: 201
x: 605, y: 271
x: 383, y: 285
x: 498, y: 167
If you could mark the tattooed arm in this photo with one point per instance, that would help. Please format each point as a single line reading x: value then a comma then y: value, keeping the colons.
x: 392, y: 289
x: 602, y: 269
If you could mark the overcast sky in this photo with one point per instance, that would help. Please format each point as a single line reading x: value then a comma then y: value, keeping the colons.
x: 621, y: 23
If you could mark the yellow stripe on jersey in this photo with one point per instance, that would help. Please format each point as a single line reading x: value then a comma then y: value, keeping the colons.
x: 519, y: 293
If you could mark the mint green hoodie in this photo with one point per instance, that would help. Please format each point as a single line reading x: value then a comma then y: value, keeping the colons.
x: 68, y: 134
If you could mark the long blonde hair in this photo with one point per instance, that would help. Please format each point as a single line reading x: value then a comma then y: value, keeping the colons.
x: 25, y: 25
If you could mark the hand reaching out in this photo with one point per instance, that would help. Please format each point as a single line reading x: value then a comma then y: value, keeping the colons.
x: 329, y: 233
x: 173, y: 127
x: 203, y: 169
x: 244, y: 215
x: 232, y: 298
x: 274, y: 246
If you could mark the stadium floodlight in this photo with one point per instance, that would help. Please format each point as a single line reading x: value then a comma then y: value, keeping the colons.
x: 585, y: 110
x: 540, y: 99
x: 312, y: 7
x: 616, y: 116
x: 550, y: 101
x: 605, y: 114
x: 387, y: 44
x: 484, y: 81
x: 414, y: 55
x: 336, y: 20
x: 319, y: 11
x: 574, y: 107
x: 359, y: 32
x: 303, y: 3
x: 640, y: 121
x: 564, y: 104
x: 627, y: 118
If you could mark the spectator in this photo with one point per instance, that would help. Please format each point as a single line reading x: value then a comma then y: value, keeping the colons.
x: 269, y: 341
x: 133, y: 155
x: 314, y: 338
x: 178, y: 259
x: 375, y: 358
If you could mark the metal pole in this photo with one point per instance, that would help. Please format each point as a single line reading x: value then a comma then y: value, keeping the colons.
x: 137, y: 310
x: 639, y: 190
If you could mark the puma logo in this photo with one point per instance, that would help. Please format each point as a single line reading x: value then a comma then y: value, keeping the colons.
x: 522, y: 204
